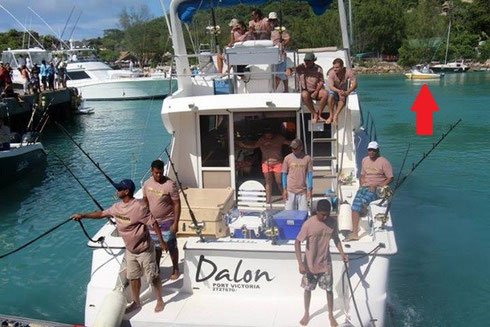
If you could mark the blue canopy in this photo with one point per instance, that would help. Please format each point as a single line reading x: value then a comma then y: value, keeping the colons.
x: 187, y: 9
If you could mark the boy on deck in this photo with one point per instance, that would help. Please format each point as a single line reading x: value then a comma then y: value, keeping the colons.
x: 316, y: 267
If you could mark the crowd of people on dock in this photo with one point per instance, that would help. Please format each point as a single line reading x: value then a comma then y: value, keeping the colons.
x: 34, y: 78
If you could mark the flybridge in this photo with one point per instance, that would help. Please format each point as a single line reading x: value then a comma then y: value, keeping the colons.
x: 187, y: 9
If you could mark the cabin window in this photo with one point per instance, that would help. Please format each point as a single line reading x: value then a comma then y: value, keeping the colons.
x: 77, y: 75
x: 214, y: 131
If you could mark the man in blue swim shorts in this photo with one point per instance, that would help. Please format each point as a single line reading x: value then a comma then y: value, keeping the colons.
x: 161, y: 194
x: 376, y: 172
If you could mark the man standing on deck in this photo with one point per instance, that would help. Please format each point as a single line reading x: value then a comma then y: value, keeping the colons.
x: 316, y: 267
x: 259, y: 25
x: 162, y: 196
x: 280, y: 39
x: 271, y: 147
x: 132, y: 221
x: 297, y: 178
x: 376, y: 172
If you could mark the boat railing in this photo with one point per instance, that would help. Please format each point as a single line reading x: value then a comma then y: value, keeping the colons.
x: 236, y: 81
x: 368, y: 124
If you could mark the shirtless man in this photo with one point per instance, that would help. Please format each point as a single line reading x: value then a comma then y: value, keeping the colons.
x: 271, y: 147
x: 337, y: 81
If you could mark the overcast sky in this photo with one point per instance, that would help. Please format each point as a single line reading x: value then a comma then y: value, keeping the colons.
x: 97, y: 15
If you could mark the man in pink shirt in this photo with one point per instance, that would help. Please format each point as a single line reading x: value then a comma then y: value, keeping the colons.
x: 132, y: 220
x: 316, y: 266
x: 280, y: 39
x: 311, y: 84
x: 338, y: 79
x: 376, y: 172
x: 162, y: 196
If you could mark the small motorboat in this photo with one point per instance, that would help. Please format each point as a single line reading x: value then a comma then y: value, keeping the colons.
x: 419, y: 72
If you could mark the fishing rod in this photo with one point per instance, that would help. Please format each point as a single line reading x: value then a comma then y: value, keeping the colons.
x: 193, y: 217
x: 414, y: 166
x: 86, y: 154
x: 399, y: 174
x: 81, y: 184
x: 45, y: 23
x: 74, y: 26
x: 67, y: 21
x: 25, y: 28
x: 34, y: 240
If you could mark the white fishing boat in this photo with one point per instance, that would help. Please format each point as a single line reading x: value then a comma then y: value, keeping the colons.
x: 245, y: 273
x: 95, y: 80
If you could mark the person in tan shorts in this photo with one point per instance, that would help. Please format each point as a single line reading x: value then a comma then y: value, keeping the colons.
x: 132, y: 220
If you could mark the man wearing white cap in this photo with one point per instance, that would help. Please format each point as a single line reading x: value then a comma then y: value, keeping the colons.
x: 281, y: 39
x: 376, y: 172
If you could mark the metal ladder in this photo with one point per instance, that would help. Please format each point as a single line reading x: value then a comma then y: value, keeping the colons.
x: 324, y: 157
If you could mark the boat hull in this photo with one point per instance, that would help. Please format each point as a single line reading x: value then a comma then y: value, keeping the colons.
x: 422, y: 76
x: 228, y: 282
x: 141, y: 88
x: 17, y: 161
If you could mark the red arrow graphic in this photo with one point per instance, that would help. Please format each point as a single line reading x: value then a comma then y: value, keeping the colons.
x: 424, y: 105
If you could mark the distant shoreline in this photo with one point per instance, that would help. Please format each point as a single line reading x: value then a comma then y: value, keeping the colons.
x: 385, y: 67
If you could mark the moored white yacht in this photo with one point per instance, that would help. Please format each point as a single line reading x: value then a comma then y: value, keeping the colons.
x: 95, y: 80
x: 245, y: 272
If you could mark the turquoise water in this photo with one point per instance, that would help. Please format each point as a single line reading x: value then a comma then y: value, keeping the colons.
x: 440, y: 277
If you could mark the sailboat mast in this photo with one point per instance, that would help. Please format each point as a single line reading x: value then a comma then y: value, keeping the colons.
x: 447, y: 41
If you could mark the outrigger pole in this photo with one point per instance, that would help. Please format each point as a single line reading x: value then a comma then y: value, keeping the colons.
x: 81, y: 184
x: 25, y: 28
x: 85, y: 153
x: 415, y: 165
x: 197, y: 227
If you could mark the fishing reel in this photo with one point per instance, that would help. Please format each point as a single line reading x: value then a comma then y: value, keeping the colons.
x: 385, y: 193
x: 383, y: 218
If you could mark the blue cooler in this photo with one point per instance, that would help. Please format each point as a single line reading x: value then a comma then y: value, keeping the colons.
x: 289, y: 223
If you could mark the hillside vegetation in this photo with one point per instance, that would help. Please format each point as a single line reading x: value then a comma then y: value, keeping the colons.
x: 413, y: 30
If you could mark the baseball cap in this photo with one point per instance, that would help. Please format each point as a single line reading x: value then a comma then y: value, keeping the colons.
x: 272, y: 15
x: 296, y: 143
x: 373, y: 145
x: 125, y: 184
x: 310, y: 56
x: 233, y: 22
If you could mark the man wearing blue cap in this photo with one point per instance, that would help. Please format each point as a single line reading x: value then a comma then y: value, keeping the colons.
x: 132, y: 220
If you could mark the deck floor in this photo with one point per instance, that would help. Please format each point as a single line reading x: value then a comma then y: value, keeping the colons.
x: 183, y: 309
